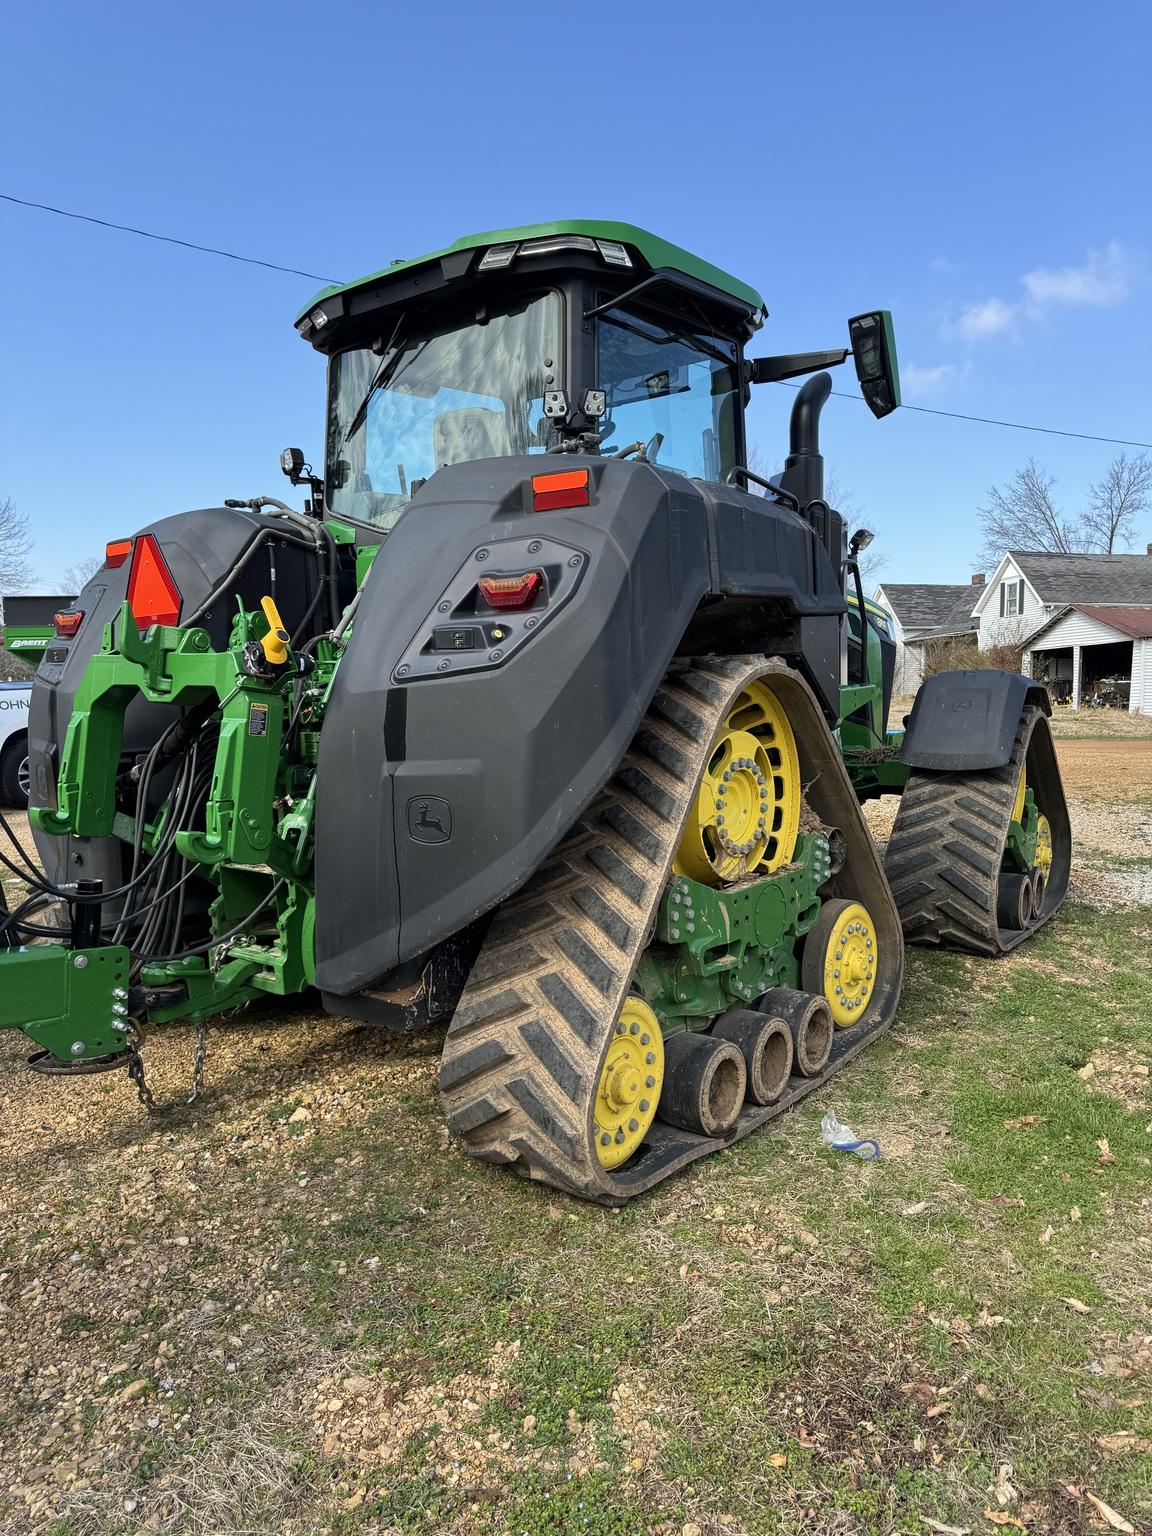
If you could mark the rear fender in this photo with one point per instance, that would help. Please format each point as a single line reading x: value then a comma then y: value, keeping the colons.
x: 964, y: 721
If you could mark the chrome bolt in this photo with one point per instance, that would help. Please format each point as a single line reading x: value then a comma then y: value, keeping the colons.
x: 650, y: 1058
x: 675, y: 933
x: 80, y: 962
x: 645, y: 1039
x: 119, y: 1010
x: 120, y: 994
x: 77, y: 1047
x: 649, y: 1081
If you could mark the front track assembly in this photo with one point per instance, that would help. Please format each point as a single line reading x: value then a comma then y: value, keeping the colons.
x: 527, y: 1048
x: 946, y: 856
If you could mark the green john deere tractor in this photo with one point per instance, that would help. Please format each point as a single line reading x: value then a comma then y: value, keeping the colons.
x: 546, y: 721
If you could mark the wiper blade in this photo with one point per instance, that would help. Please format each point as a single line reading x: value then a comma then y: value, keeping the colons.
x: 383, y: 374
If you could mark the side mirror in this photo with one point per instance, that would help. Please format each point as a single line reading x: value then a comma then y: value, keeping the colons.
x: 874, y: 350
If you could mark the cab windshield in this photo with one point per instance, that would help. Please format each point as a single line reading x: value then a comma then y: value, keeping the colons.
x: 469, y: 390
x: 672, y: 389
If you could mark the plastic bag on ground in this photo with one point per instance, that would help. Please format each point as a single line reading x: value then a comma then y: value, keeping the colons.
x: 843, y: 1139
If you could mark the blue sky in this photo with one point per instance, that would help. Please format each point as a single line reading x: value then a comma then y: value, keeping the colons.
x: 981, y: 169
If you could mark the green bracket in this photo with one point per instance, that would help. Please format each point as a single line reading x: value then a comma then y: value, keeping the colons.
x: 1020, y: 845
x: 726, y: 947
x: 72, y: 1002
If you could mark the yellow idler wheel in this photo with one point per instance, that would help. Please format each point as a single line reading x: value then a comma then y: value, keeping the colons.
x: 746, y: 815
x: 630, y: 1084
x: 840, y: 960
x: 1044, y: 845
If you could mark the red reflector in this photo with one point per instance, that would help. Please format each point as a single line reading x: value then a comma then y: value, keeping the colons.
x: 567, y: 488
x: 153, y: 595
x: 116, y: 552
x: 68, y: 624
x: 510, y: 591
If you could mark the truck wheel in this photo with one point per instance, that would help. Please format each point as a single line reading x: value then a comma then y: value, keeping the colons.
x: 15, y: 778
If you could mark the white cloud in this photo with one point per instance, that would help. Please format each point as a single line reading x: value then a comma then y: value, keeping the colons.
x: 920, y: 382
x: 987, y: 318
x: 1102, y: 281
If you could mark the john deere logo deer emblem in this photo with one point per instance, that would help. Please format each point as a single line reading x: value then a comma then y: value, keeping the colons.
x: 429, y: 819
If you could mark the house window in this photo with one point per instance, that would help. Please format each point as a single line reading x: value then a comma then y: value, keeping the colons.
x: 1011, y: 598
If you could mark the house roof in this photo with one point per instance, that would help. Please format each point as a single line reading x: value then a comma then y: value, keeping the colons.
x: 921, y: 605
x: 1134, y: 619
x: 1076, y: 579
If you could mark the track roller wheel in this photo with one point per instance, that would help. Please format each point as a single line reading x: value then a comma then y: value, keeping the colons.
x: 809, y: 1022
x: 840, y: 960
x: 766, y: 1046
x: 704, y: 1084
x: 1014, y: 901
x: 631, y: 1082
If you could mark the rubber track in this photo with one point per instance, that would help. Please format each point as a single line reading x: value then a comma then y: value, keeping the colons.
x: 523, y: 1054
x: 944, y: 855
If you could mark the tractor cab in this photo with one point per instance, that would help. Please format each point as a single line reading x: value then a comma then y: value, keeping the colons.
x: 581, y: 337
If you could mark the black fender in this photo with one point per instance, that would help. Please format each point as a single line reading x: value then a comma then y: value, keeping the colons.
x: 966, y: 721
x: 444, y: 777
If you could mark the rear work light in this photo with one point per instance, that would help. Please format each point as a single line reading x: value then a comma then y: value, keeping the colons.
x: 510, y: 592
x: 567, y: 488
x: 116, y: 551
x: 152, y: 594
x: 68, y: 624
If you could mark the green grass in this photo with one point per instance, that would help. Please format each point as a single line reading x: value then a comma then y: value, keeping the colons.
x: 756, y: 1347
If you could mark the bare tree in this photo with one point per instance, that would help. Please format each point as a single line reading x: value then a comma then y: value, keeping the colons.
x: 75, y: 577
x: 1024, y: 515
x: 1116, y: 501
x: 15, y: 548
x: 873, y: 559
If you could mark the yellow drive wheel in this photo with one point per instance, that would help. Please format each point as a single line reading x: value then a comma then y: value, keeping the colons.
x: 747, y: 810
x: 1044, y: 845
x: 1021, y: 791
x: 840, y: 960
x: 630, y: 1084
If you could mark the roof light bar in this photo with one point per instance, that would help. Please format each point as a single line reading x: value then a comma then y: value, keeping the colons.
x: 498, y: 256
x: 615, y: 254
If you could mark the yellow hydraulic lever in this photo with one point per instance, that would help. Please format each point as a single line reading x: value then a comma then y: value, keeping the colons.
x: 275, y: 642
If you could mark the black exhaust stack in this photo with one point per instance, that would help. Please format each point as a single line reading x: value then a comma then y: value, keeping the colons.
x: 803, y: 474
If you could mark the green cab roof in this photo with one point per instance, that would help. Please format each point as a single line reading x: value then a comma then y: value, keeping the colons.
x: 655, y: 251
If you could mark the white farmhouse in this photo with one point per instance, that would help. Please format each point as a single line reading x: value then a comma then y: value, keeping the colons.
x: 924, y: 611
x: 1084, y: 621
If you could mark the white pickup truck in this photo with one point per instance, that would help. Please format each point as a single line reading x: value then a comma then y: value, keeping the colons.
x: 14, y: 781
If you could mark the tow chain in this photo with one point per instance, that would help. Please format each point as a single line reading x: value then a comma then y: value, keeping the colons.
x: 134, y: 1040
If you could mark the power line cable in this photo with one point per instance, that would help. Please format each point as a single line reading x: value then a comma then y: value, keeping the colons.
x: 272, y: 266
x: 128, y: 229
x: 991, y: 421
